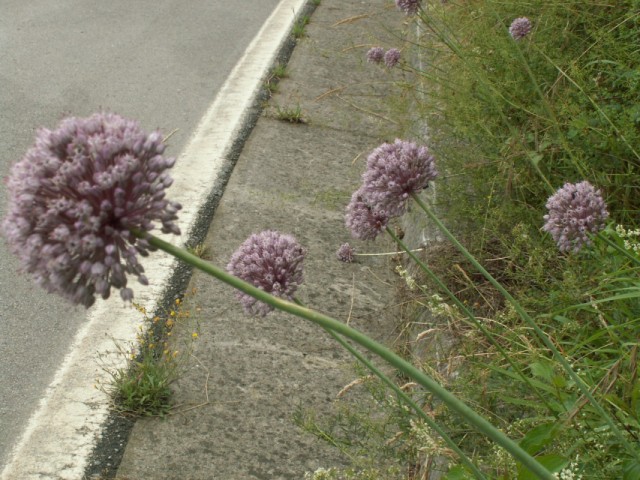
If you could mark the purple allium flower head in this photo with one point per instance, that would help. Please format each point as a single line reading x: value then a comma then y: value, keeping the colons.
x: 392, y: 57
x: 394, y: 171
x: 271, y: 261
x: 345, y: 253
x: 364, y: 220
x: 75, y: 195
x: 409, y: 7
x: 575, y: 210
x: 375, y: 55
x: 520, y: 28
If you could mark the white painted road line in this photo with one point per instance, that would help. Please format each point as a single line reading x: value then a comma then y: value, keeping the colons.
x: 62, y: 433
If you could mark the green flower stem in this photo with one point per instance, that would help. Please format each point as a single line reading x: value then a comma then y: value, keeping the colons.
x: 421, y: 413
x: 455, y: 404
x: 534, y: 326
x: 493, y: 91
x: 471, y: 317
x: 621, y: 250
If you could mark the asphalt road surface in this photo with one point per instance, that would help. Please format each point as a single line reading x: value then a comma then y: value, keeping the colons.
x: 158, y: 61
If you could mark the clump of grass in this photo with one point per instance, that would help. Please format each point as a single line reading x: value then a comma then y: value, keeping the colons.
x: 200, y: 250
x: 299, y: 28
x: 154, y: 363
x: 291, y: 114
x: 278, y: 72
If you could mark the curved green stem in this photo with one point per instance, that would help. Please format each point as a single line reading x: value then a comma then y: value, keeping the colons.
x: 618, y: 248
x: 405, y: 398
x: 534, y: 326
x: 455, y: 404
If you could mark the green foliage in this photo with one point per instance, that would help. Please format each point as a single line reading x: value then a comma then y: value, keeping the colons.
x: 278, y: 72
x: 298, y: 30
x: 291, y: 114
x: 510, y: 122
x: 143, y: 386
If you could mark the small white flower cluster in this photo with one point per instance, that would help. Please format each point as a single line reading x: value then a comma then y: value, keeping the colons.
x: 409, y: 280
x: 321, y: 474
x: 437, y: 306
x: 631, y: 238
x: 570, y: 473
x: 425, y: 441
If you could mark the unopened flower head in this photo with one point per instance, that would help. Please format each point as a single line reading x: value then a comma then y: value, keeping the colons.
x: 575, y: 210
x: 375, y: 55
x: 520, y: 28
x: 345, y: 253
x: 392, y: 57
x: 271, y: 261
x: 395, y: 171
x: 409, y: 7
x: 74, y: 197
x: 365, y: 221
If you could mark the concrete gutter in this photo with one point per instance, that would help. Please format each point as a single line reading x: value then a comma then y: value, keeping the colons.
x: 248, y: 376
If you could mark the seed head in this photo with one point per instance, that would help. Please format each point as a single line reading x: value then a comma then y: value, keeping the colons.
x: 395, y: 171
x: 392, y: 57
x: 375, y: 55
x: 409, y: 7
x: 520, y: 28
x: 345, y: 253
x: 271, y: 261
x: 365, y: 221
x: 75, y: 195
x: 574, y: 211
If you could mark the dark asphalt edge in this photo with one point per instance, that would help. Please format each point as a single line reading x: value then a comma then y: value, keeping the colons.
x: 107, y: 454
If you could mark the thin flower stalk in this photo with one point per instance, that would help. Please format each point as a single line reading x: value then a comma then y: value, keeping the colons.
x: 618, y: 248
x: 405, y: 398
x: 425, y: 268
x: 584, y: 388
x: 324, y: 321
x: 494, y: 93
x: 550, y: 112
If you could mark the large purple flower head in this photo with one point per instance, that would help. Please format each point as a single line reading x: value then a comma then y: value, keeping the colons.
x: 364, y: 220
x: 575, y: 210
x: 375, y: 55
x: 271, y: 261
x: 520, y: 28
x: 409, y: 7
x: 392, y: 57
x: 75, y: 195
x: 395, y: 171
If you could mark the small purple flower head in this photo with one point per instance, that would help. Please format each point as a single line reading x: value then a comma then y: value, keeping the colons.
x: 575, y: 210
x: 271, y: 261
x: 520, y: 28
x: 365, y: 221
x: 375, y: 55
x: 409, y: 7
x: 392, y: 57
x: 395, y: 171
x: 345, y: 253
x: 74, y: 197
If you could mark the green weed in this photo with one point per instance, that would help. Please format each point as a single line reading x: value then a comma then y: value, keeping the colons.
x: 510, y: 122
x: 299, y: 28
x: 143, y: 386
x: 291, y: 114
x: 277, y: 73
x: 201, y: 251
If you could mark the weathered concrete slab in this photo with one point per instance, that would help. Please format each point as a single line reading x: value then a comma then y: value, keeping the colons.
x: 249, y: 375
